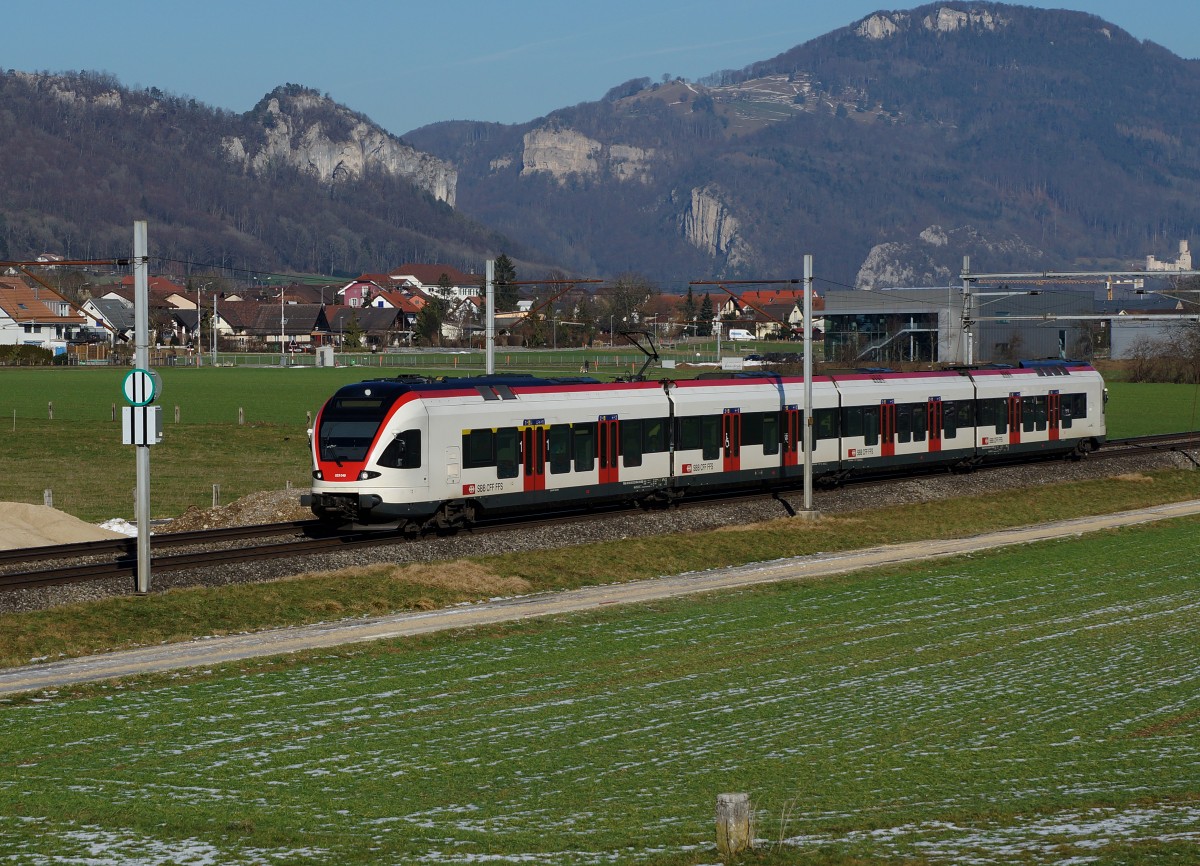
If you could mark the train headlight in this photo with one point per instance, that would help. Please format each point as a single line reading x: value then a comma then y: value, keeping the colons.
x: 368, y: 474
x: 317, y: 475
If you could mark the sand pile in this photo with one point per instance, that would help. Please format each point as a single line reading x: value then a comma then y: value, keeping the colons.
x: 23, y: 525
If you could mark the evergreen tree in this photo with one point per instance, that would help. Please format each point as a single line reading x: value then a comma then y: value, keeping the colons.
x: 704, y: 326
x: 504, y: 280
x: 689, y: 311
x: 352, y: 337
x: 428, y: 326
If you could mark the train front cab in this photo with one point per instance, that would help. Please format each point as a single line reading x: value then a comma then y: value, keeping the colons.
x: 371, y: 457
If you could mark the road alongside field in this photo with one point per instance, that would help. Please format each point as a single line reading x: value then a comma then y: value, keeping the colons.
x: 219, y: 650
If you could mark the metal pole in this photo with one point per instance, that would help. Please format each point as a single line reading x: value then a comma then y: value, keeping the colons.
x: 141, y: 355
x: 490, y: 307
x: 808, y: 374
x: 968, y: 347
x: 213, y: 339
x: 198, y: 325
x: 282, y: 334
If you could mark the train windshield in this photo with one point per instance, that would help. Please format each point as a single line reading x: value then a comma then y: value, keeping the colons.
x: 348, y: 427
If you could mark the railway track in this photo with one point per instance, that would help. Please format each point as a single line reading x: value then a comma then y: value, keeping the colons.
x: 208, y: 549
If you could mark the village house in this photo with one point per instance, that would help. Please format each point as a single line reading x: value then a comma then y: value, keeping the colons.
x: 441, y: 280
x: 37, y: 316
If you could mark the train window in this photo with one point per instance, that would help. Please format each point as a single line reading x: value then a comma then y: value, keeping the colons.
x: 770, y: 435
x: 654, y: 435
x: 920, y: 413
x: 687, y: 436
x: 559, y: 445
x: 904, y: 418
x: 508, y: 452
x: 478, y: 448
x: 994, y: 413
x: 1033, y: 413
x: 631, y: 441
x: 966, y: 414
x: 710, y: 437
x: 852, y: 421
x: 346, y: 440
x: 752, y: 428
x: 949, y: 419
x: 825, y: 424
x: 584, y: 436
x: 1075, y: 404
x: 870, y: 422
x: 403, y: 452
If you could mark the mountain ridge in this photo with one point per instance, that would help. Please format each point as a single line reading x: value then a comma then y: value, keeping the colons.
x: 1023, y: 136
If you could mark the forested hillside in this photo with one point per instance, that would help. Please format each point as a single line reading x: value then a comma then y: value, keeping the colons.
x: 83, y: 157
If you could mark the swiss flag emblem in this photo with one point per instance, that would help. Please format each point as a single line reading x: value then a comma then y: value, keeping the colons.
x: 468, y: 490
x: 687, y: 468
x: 851, y: 452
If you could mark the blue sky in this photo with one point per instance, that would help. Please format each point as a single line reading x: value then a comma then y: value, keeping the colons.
x: 407, y: 63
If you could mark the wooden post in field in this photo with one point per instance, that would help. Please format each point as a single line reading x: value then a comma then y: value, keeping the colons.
x: 216, y: 495
x: 48, y: 498
x: 241, y: 416
x: 114, y: 411
x: 735, y: 824
x: 51, y: 410
x: 177, y: 412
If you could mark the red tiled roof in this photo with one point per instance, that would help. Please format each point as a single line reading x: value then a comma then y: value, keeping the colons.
x: 39, y: 304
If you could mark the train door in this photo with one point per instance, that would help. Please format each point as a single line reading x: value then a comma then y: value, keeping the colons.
x: 934, y: 421
x: 533, y: 451
x: 1014, y: 418
x: 1053, y: 414
x: 607, y: 449
x: 887, y: 428
x: 792, y: 443
x: 731, y: 439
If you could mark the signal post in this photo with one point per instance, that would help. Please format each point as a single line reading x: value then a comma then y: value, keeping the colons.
x: 140, y: 422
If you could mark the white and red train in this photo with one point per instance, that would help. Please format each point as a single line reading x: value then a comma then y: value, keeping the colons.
x: 418, y: 454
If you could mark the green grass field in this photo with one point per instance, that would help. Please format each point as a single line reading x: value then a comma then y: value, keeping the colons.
x: 1036, y: 705
x: 79, y: 456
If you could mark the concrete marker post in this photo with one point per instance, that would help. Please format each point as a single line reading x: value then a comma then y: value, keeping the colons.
x: 735, y: 824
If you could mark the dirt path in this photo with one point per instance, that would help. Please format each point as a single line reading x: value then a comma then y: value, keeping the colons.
x: 212, y: 651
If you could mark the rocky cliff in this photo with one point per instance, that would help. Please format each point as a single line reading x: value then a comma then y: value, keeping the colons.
x: 708, y: 224
x: 563, y: 152
x: 935, y: 258
x: 323, y: 139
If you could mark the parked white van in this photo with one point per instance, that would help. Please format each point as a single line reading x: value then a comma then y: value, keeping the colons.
x: 739, y: 334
